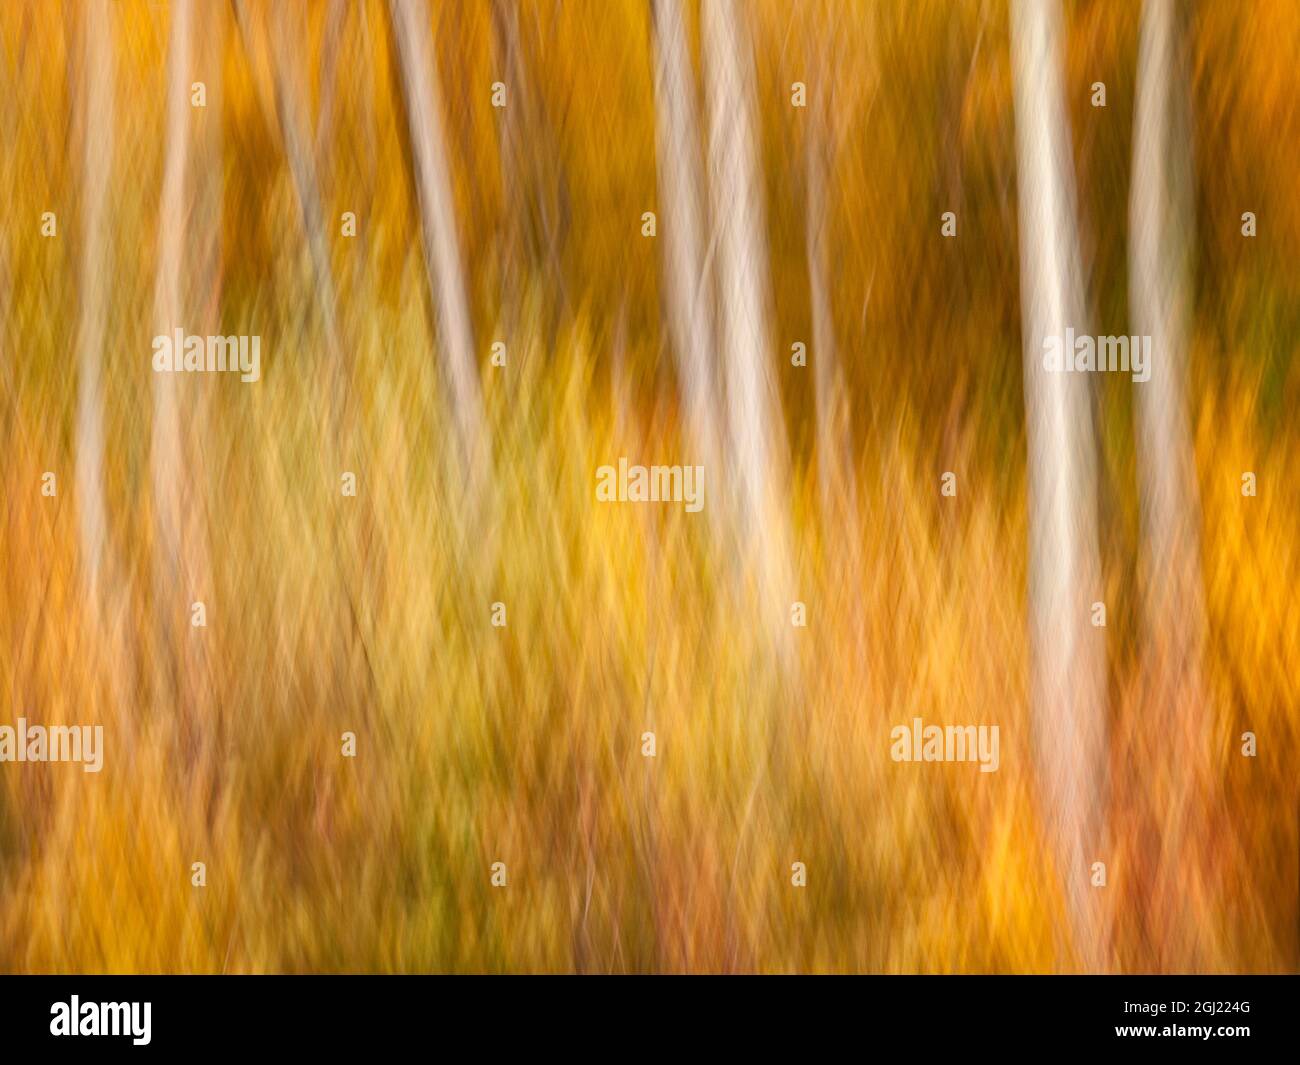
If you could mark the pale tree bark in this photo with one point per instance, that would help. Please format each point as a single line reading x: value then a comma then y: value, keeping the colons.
x: 180, y: 550
x: 327, y: 112
x: 756, y: 455
x: 168, y: 309
x: 1159, y: 235
x: 362, y: 49
x: 682, y: 229
x: 96, y: 85
x: 304, y: 150
x: 437, y: 214
x: 835, y: 479
x: 1068, y: 654
x: 532, y: 179
x: 106, y: 590
x: 205, y: 286
x: 291, y: 109
x: 291, y: 106
x: 1160, y: 219
x: 513, y: 249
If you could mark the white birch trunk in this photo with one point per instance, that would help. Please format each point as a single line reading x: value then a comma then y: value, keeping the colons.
x: 97, y: 167
x: 166, y: 465
x: 1159, y: 221
x: 756, y: 432
x: 681, y: 190
x: 181, y: 563
x: 1160, y: 212
x: 437, y: 210
x: 1068, y: 687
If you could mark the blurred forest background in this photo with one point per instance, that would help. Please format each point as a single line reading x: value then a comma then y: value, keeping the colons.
x: 523, y: 225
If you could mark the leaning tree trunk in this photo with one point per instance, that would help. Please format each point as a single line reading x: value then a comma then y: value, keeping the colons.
x: 1068, y: 685
x: 1159, y: 220
x: 437, y: 215
x: 327, y: 112
x: 296, y: 128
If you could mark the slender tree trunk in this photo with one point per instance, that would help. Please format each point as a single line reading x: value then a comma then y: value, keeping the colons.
x: 438, y: 220
x: 292, y: 115
x: 1068, y: 688
x: 511, y: 127
x: 296, y: 127
x: 756, y: 432
x: 97, y: 167
x: 326, y: 116
x: 180, y: 555
x: 1160, y: 212
x: 835, y: 479
x: 1159, y: 220
x: 107, y: 592
x: 205, y: 287
x: 168, y: 307
x: 535, y: 194
x: 681, y: 191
